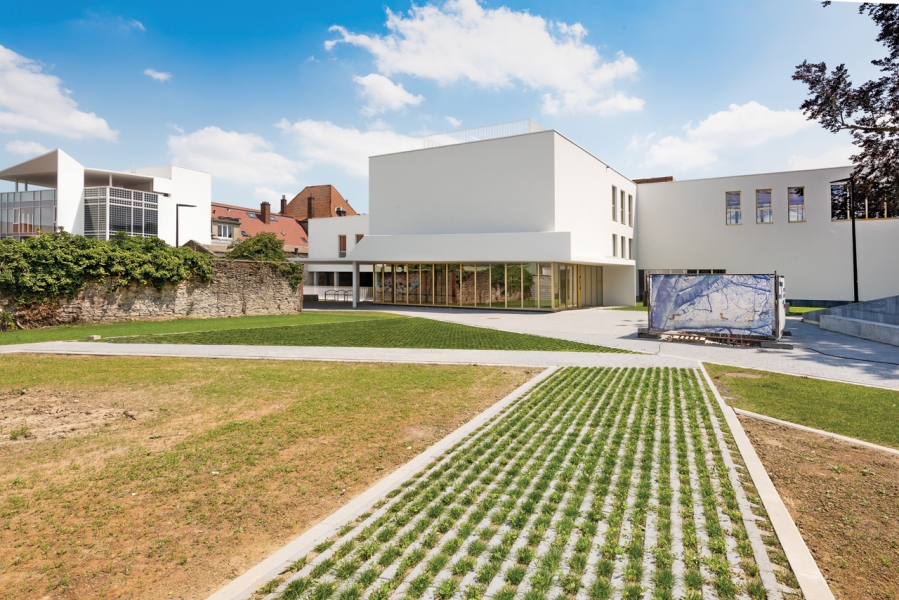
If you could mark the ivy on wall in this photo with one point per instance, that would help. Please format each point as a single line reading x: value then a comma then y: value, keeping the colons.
x: 266, y: 247
x: 47, y: 267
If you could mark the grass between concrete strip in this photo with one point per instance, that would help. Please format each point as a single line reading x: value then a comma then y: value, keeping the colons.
x: 151, y: 477
x: 400, y: 332
x: 557, y: 499
x: 865, y: 413
x: 81, y: 332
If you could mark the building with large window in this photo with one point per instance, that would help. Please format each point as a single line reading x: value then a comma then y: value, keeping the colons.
x: 518, y: 217
x: 53, y: 190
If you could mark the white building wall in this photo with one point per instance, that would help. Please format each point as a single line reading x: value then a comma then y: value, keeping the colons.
x: 681, y: 225
x: 69, y: 194
x: 323, y: 243
x: 492, y: 186
x: 188, y: 186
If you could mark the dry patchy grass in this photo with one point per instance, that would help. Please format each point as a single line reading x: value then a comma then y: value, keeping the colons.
x: 162, y: 478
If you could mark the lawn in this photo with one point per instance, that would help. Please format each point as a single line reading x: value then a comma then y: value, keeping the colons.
x: 866, y: 413
x: 156, y: 478
x: 798, y: 311
x: 638, y: 307
x: 599, y: 483
x: 400, y: 332
x: 80, y: 332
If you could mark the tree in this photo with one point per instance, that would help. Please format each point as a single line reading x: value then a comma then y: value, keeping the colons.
x: 870, y: 111
x: 262, y: 246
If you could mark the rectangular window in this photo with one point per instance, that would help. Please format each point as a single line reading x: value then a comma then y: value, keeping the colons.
x: 622, y: 208
x: 225, y: 232
x: 623, y: 247
x: 359, y: 237
x: 763, y: 211
x: 614, y: 245
x: 630, y: 248
x: 630, y: 210
x: 796, y: 204
x: 341, y: 246
x: 839, y: 203
x: 734, y: 214
x: 614, y: 203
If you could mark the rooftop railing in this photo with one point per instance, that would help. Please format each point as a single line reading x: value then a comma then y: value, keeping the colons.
x: 477, y: 134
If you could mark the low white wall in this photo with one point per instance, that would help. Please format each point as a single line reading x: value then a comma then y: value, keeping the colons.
x: 878, y: 332
x: 619, y: 285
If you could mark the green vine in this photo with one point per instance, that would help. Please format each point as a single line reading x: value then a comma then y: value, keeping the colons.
x: 47, y: 267
x: 266, y: 247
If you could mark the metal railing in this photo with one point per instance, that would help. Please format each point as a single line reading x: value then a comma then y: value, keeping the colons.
x: 477, y: 134
x: 339, y: 293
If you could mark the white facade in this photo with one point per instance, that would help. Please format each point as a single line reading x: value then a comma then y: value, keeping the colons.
x: 682, y: 225
x: 327, y: 279
x: 535, y: 198
x: 142, y: 200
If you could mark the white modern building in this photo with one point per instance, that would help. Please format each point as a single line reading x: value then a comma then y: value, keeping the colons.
x: 519, y: 218
x: 53, y: 190
x: 515, y: 216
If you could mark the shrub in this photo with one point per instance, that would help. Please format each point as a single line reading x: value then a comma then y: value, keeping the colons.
x: 266, y: 247
x: 44, y: 268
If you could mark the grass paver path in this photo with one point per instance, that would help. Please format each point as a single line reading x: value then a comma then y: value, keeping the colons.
x: 599, y: 483
x: 399, y: 332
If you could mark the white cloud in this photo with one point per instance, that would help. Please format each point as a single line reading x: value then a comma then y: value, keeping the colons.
x: 497, y: 48
x: 382, y: 95
x: 135, y: 24
x: 264, y: 193
x: 837, y: 157
x: 27, y: 148
x: 323, y: 143
x: 32, y: 100
x: 157, y: 75
x: 453, y: 121
x: 240, y: 157
x: 739, y: 126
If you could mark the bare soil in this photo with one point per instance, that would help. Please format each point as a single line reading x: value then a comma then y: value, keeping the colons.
x: 844, y: 499
x: 162, y: 479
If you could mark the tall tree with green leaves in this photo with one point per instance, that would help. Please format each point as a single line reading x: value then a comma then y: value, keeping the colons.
x: 869, y: 112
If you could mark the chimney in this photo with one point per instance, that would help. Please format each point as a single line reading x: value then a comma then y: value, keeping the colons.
x: 310, y: 212
x: 283, y: 204
x: 266, y: 209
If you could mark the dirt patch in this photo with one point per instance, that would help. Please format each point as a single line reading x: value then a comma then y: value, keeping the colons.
x: 37, y: 414
x: 845, y: 501
x: 222, y: 463
x: 743, y: 375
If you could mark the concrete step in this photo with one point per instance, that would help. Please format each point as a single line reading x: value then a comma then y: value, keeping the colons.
x: 869, y: 330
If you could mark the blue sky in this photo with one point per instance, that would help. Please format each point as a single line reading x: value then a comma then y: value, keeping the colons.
x: 273, y: 96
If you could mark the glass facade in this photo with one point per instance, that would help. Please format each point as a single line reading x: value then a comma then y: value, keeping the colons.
x: 529, y: 286
x: 109, y: 210
x: 23, y: 214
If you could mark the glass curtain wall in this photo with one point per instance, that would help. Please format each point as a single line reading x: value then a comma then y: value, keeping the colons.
x: 531, y: 286
x: 23, y: 214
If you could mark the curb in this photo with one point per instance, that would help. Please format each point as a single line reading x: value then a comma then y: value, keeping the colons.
x: 835, y: 436
x: 246, y: 584
x: 811, y: 581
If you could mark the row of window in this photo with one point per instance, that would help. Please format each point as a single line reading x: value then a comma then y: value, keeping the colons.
x: 622, y: 212
x: 764, y: 208
x: 341, y: 244
x: 877, y: 207
x: 626, y: 245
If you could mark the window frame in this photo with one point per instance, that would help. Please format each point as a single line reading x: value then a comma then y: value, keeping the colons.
x: 630, y: 210
x: 614, y: 245
x: 789, y: 206
x: 728, y: 210
x: 341, y: 246
x: 621, y: 205
x: 359, y: 237
x: 770, y: 208
x: 615, y: 203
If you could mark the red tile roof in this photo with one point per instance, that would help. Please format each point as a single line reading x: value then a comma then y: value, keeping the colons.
x: 285, y: 227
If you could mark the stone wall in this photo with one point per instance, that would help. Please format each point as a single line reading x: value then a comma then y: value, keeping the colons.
x: 237, y: 288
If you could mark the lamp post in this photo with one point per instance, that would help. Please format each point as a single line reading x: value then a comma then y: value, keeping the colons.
x: 851, y: 188
x: 177, y: 219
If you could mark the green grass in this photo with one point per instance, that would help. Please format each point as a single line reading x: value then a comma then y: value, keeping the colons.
x: 796, y: 311
x: 638, y: 306
x: 865, y: 413
x: 402, y: 332
x: 80, y: 332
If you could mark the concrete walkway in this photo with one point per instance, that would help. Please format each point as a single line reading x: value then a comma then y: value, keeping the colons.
x: 393, y: 355
x: 817, y: 353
